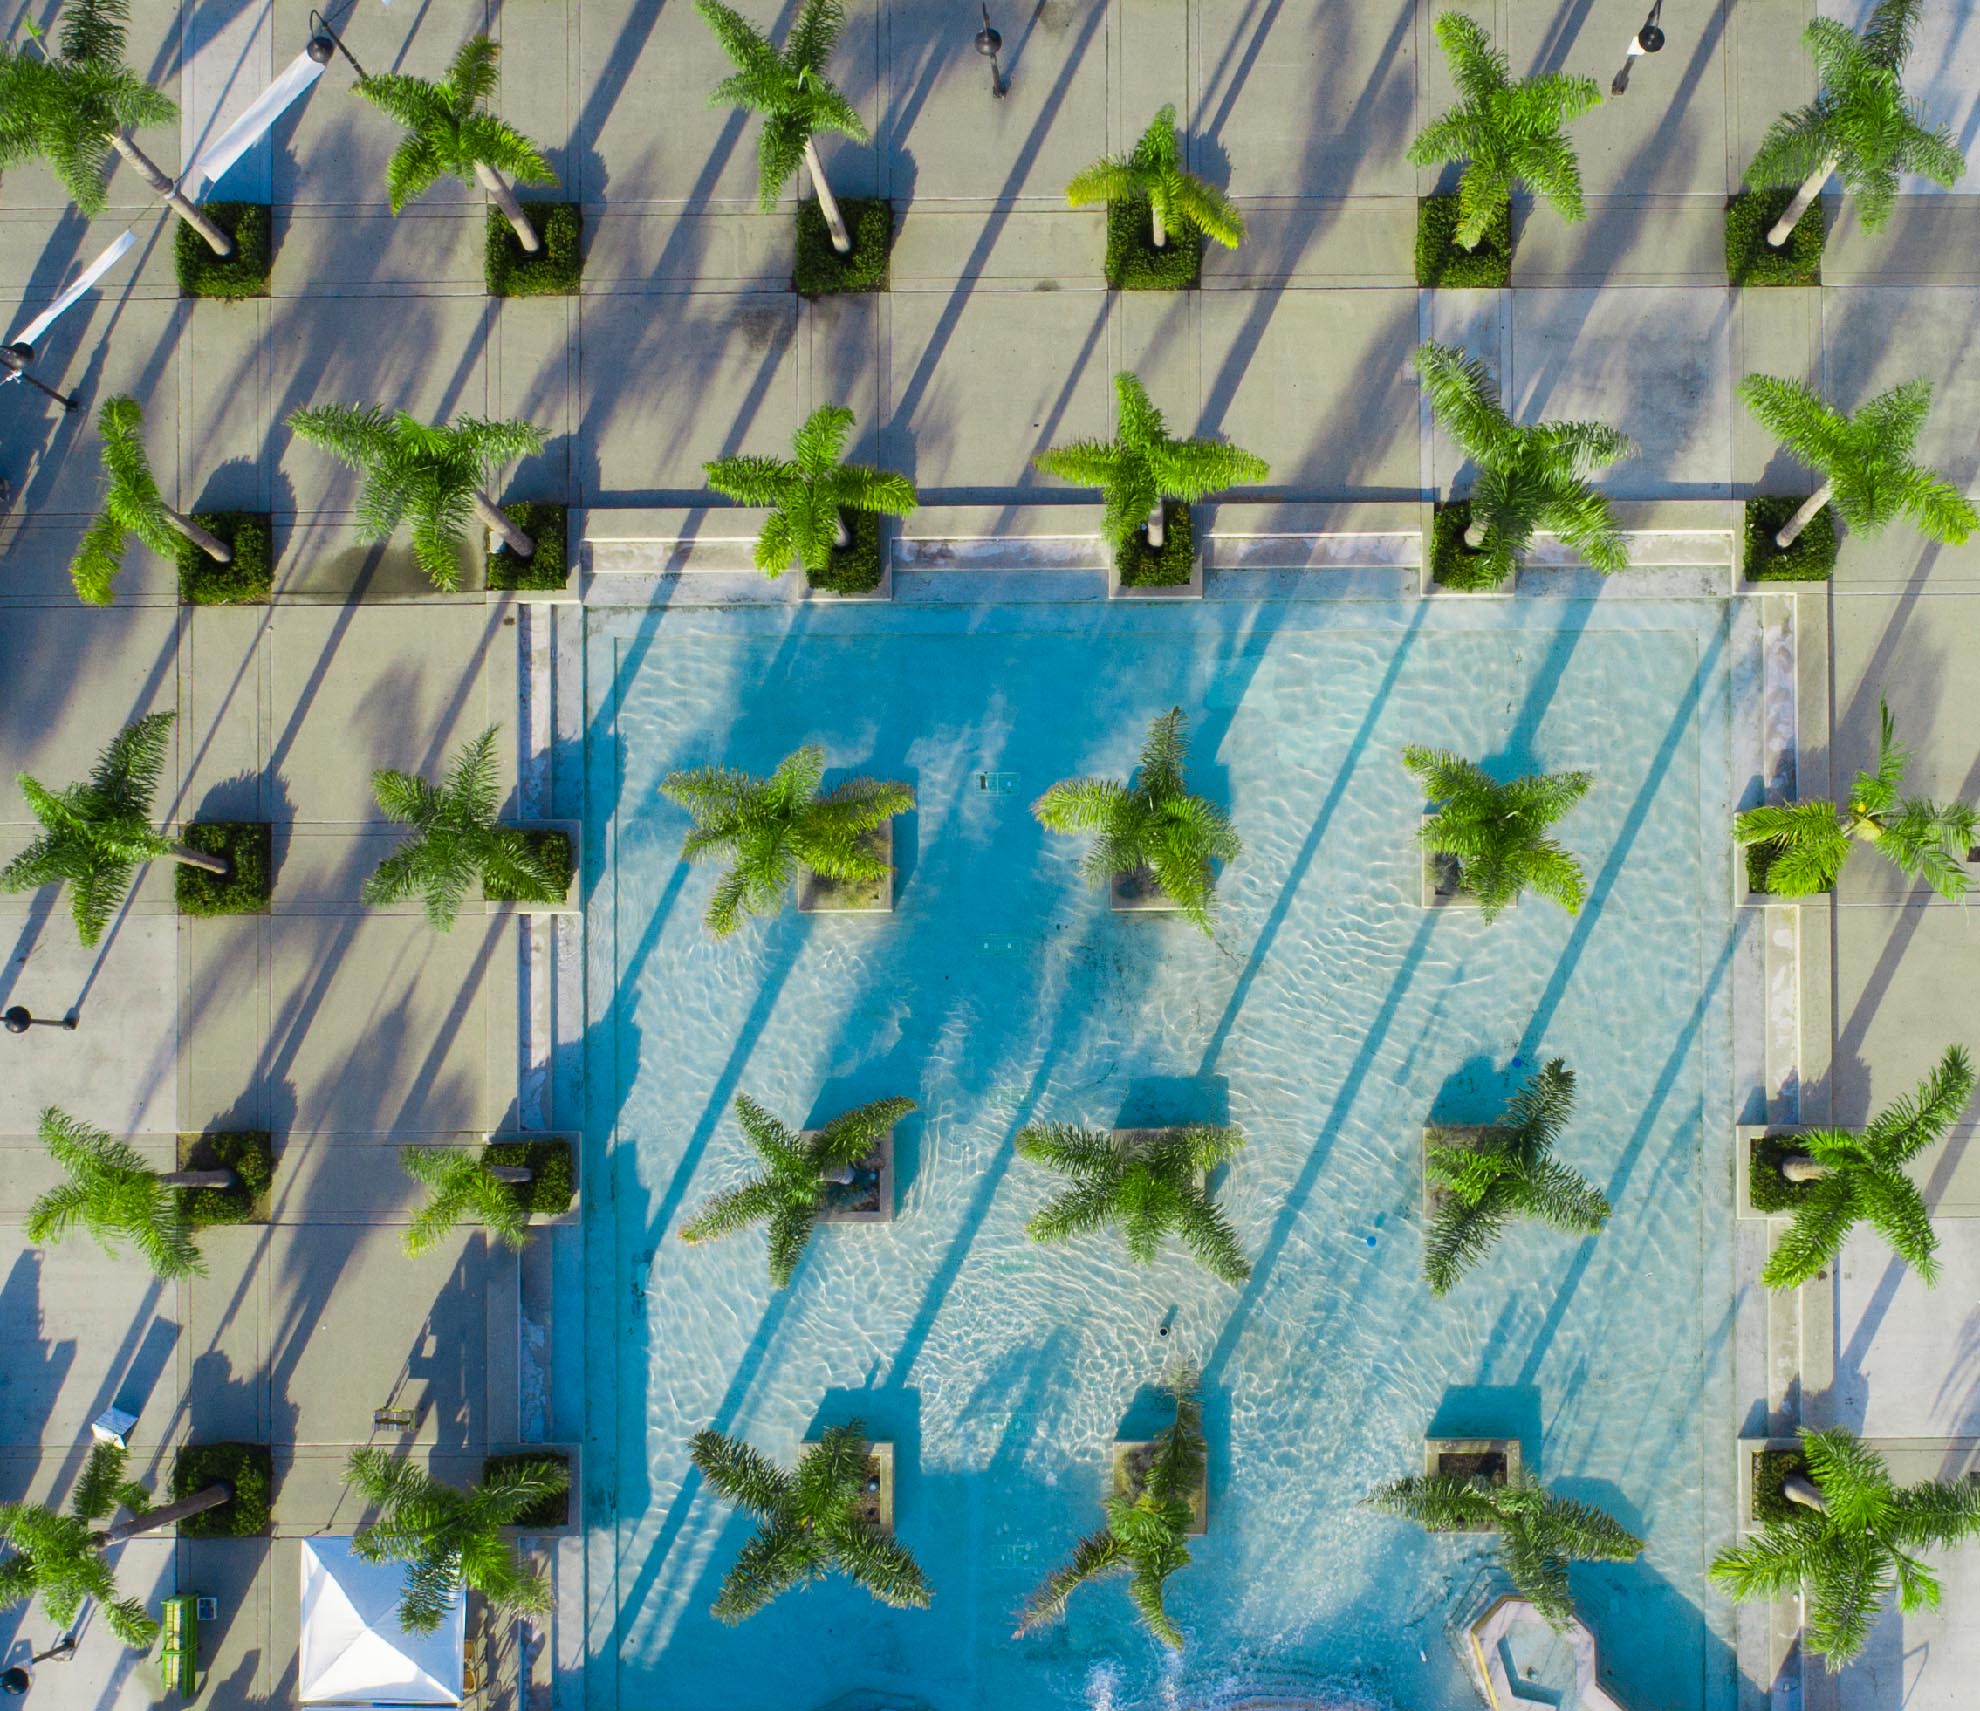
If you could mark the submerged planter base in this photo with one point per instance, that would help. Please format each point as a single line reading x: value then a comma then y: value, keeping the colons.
x: 1748, y: 1141
x: 1132, y: 1459
x: 1465, y: 1137
x: 1497, y: 1460
x: 572, y: 832
x: 869, y: 1197
x: 1140, y: 893
x: 819, y: 895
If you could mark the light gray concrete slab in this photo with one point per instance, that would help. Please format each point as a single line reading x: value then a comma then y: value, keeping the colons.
x: 43, y: 248
x: 323, y: 870
x: 1907, y: 1355
x: 229, y: 60
x: 352, y: 1179
x: 222, y: 732
x: 243, y: 1577
x: 27, y: 1170
x: 1905, y: 981
x: 328, y: 561
x: 103, y: 1673
x: 1875, y: 337
x: 650, y: 247
x: 999, y: 247
x: 39, y: 550
x: 532, y: 381
x: 840, y: 340
x: 224, y: 1079
x: 1368, y: 241
x: 1654, y: 362
x: 1769, y: 71
x: 434, y: 246
x: 222, y: 453
x: 1626, y: 241
x: 311, y: 1496
x: 1773, y: 332
x: 223, y: 1355
x: 1941, y: 75
x: 1928, y: 240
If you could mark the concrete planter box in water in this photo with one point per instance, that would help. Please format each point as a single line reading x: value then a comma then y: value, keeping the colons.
x: 1754, y: 1456
x: 572, y: 1507
x: 819, y: 895
x: 1746, y: 895
x: 1747, y: 1140
x: 1442, y: 888
x: 572, y: 1214
x: 568, y: 903
x: 1140, y: 893
x: 869, y: 1197
x: 1462, y: 1135
x: 1496, y: 1460
x: 878, y: 1509
x: 1132, y: 1459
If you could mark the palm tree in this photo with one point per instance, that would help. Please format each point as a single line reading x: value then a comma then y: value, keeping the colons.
x: 809, y: 493
x: 1811, y: 841
x: 791, y: 1192
x: 1150, y: 1182
x: 1529, y: 478
x: 463, y: 1184
x: 790, y: 90
x: 1494, y: 834
x: 1860, y: 1177
x: 59, y: 1558
x: 72, y: 110
x: 456, y: 838
x: 1859, y: 124
x: 1506, y: 131
x: 449, y: 133
x: 771, y: 826
x: 1849, y: 1536
x: 132, y: 505
x: 112, y: 1192
x: 1176, y: 196
x: 1147, y: 1532
x: 447, y: 1538
x: 809, y: 1522
x: 1509, y: 1173
x: 432, y: 477
x: 1865, y: 460
x: 1151, y: 826
x: 1539, y: 1534
x: 97, y: 834
x: 1141, y: 466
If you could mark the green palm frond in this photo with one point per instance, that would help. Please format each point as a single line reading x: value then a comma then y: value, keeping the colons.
x: 132, y: 505
x: 460, y: 1188
x: 1498, y: 832
x: 58, y: 1559
x: 456, y: 839
x: 448, y: 129
x: 789, y: 89
x: 1153, y: 169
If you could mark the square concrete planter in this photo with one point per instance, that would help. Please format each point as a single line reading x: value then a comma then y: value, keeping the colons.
x: 1139, y: 893
x: 819, y: 895
x: 1190, y: 590
x: 1462, y: 1135
x: 1749, y: 1451
x: 1132, y: 1459
x: 574, y: 1213
x: 573, y: 1522
x: 568, y: 904
x: 878, y: 1510
x: 869, y: 1199
x: 1496, y: 1459
x: 1133, y: 1138
x: 1745, y: 896
x: 1745, y: 1135
x: 1438, y: 872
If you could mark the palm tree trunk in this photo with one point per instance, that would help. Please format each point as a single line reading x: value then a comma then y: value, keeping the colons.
x: 841, y: 1175
x: 1799, y: 1488
x: 1161, y: 230
x: 827, y: 204
x: 1799, y: 1167
x: 497, y: 186
x: 512, y: 537
x: 187, y: 857
x: 1154, y: 527
x: 841, y: 536
x: 197, y: 1179
x: 1474, y: 535
x: 1806, y: 515
x: 147, y: 169
x: 517, y: 1173
x: 211, y: 1498
x: 210, y: 544
x: 1791, y: 215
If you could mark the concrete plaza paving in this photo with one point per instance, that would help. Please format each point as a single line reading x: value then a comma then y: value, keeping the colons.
x: 348, y: 1032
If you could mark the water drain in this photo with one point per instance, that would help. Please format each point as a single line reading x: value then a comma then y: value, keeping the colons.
x: 996, y: 783
x: 998, y: 944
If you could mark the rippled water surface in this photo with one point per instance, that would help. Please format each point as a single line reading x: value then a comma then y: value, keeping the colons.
x: 1329, y: 1017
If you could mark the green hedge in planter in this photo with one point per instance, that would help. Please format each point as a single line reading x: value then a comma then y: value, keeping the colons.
x: 1442, y: 261
x: 248, y: 1153
x: 1751, y: 260
x: 555, y: 847
x: 250, y: 844
x: 1760, y: 859
x: 1452, y: 563
x: 1771, y: 1471
x: 547, y: 523
x: 1765, y: 1186
x: 1812, y: 557
x: 821, y: 270
x: 554, y: 270
x: 245, y: 581
x: 1133, y: 261
x: 552, y: 1510
x: 242, y: 274
x: 548, y: 1193
x: 1139, y: 565
x: 248, y: 1468
x: 854, y: 568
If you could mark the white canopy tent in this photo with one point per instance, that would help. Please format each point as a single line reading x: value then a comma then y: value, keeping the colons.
x: 353, y: 1651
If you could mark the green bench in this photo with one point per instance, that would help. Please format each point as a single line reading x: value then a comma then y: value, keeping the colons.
x: 178, y: 1653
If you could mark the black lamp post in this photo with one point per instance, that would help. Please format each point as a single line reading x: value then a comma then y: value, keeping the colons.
x: 19, y: 1019
x: 1649, y: 39
x: 324, y: 41
x: 15, y: 359
x: 989, y: 44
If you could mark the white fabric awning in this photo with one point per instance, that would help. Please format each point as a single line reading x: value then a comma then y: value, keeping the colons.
x: 353, y: 1651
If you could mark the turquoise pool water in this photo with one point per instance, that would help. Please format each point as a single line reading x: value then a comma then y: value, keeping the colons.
x: 1330, y: 1017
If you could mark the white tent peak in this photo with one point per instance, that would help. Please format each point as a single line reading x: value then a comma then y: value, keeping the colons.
x: 353, y: 1651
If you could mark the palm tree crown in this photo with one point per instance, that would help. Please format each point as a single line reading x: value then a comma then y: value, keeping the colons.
x: 789, y: 89
x: 132, y: 505
x: 1146, y: 1535
x: 790, y: 1193
x: 807, y: 492
x: 457, y: 838
x: 1141, y: 465
x: 1529, y: 478
x: 809, y: 1522
x: 66, y: 109
x: 111, y: 1193
x: 1153, y: 168
x: 1506, y: 131
x: 461, y: 1184
x: 772, y: 826
x: 1860, y: 1177
x: 1539, y: 1534
x: 1860, y: 123
x: 59, y: 1558
x: 1496, y: 832
x: 1849, y: 1536
x: 1865, y: 460
x: 1150, y: 1183
x: 447, y: 1538
x: 449, y: 133
x: 1151, y: 824
x: 1509, y: 1173
x: 95, y: 835
x: 1811, y: 841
